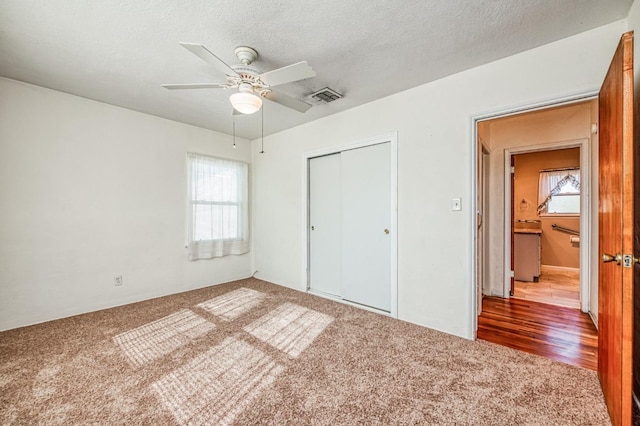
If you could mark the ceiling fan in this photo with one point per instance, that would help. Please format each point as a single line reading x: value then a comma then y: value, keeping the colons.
x: 252, y: 84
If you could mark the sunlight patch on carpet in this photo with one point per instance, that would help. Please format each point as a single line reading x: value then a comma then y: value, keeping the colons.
x: 218, y: 385
x: 231, y: 305
x: 158, y: 338
x: 44, y: 383
x: 290, y: 328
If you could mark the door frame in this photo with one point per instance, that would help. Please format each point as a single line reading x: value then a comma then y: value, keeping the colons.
x: 391, y: 138
x: 483, y: 188
x: 585, y: 211
x: 473, y: 167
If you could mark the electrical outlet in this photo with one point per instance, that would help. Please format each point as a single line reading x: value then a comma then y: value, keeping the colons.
x: 117, y: 280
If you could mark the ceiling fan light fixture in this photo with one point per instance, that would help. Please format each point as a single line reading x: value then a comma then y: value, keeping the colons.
x: 246, y: 103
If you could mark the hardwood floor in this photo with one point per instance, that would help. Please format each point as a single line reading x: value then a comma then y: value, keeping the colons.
x: 556, y: 286
x: 563, y: 334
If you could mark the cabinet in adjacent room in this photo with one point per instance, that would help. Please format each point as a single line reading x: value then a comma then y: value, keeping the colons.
x: 527, y: 255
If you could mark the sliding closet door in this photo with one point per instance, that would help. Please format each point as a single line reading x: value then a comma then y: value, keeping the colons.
x: 324, y: 221
x: 366, y: 223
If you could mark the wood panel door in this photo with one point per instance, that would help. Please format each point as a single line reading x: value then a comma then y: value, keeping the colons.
x: 616, y: 233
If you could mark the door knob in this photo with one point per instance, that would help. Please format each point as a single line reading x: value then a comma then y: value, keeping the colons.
x: 606, y: 258
x: 313, y: 227
x: 628, y: 260
x: 386, y: 231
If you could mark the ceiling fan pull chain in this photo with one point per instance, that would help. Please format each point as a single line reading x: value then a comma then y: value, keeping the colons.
x: 262, y: 123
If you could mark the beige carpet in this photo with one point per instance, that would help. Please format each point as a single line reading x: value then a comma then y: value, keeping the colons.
x: 251, y: 352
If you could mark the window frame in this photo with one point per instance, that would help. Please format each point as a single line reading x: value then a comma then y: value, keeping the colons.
x: 577, y: 192
x: 556, y: 214
x: 193, y: 203
x: 242, y: 205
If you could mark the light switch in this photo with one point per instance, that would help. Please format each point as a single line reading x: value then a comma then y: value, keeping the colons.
x: 456, y: 204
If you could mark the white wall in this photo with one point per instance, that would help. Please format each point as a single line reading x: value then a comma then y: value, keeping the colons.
x: 88, y: 191
x: 433, y: 122
x: 633, y: 24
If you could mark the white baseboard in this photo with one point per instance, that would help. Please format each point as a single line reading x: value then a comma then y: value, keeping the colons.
x: 94, y: 306
x: 260, y: 276
x: 594, y: 319
x: 346, y: 302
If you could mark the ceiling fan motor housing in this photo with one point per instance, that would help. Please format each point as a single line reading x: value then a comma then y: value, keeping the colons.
x: 245, y: 54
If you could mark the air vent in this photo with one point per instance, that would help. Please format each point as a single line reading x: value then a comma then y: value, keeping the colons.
x: 326, y: 95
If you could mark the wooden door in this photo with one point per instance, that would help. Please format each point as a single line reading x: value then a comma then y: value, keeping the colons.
x: 325, y: 225
x: 615, y: 303
x: 366, y: 226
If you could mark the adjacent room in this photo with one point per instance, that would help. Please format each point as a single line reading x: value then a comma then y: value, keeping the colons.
x: 295, y: 213
x: 544, y: 190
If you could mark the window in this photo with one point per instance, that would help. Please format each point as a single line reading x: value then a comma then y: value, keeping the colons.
x: 218, y: 207
x: 559, y: 192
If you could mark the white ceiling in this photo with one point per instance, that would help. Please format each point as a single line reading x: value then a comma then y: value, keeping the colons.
x: 120, y: 51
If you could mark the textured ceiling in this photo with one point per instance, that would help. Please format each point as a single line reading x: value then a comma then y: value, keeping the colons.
x: 120, y: 51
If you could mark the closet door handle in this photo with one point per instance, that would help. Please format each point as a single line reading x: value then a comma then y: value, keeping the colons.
x: 386, y: 231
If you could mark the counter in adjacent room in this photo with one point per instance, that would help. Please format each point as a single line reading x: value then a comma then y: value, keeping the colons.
x: 527, y: 254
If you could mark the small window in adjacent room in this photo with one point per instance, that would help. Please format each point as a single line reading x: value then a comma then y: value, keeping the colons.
x: 218, y: 207
x: 559, y: 192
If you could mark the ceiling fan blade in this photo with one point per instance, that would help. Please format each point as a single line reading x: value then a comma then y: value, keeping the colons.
x: 207, y: 56
x: 288, y: 101
x: 287, y: 74
x: 195, y: 86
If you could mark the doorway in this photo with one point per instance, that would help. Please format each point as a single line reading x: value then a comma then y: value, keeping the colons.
x: 552, y: 130
x: 546, y: 227
x: 522, y: 147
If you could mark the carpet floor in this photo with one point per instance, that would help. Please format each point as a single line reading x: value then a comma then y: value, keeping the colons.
x: 250, y: 352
